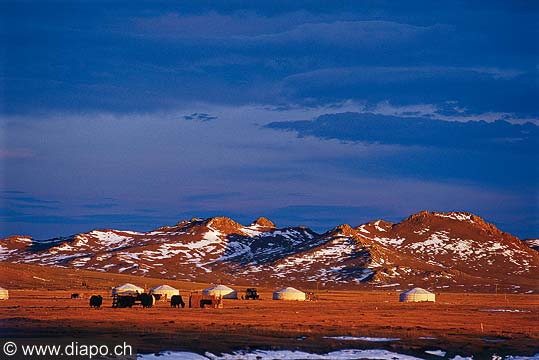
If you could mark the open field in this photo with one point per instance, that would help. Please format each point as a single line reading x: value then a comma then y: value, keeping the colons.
x: 461, y: 324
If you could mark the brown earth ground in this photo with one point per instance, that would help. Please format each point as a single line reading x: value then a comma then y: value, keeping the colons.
x: 40, y: 307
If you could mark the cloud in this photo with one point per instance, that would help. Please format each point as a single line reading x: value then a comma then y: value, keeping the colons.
x: 212, y: 24
x: 199, y: 117
x: 149, y: 211
x: 305, y: 54
x: 448, y: 111
x: 478, y: 89
x: 16, y: 154
x: 472, y: 152
x: 211, y: 196
x: 417, y: 131
x: 261, y: 156
x: 290, y: 26
x: 100, y: 206
x: 34, y: 207
x: 30, y: 199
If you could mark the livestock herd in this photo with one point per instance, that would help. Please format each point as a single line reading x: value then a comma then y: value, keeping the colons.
x: 128, y: 295
x: 127, y: 301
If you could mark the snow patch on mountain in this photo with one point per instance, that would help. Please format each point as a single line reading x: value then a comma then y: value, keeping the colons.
x: 389, y: 241
x: 5, y: 253
x: 459, y: 216
x: 107, y: 239
x: 426, y: 247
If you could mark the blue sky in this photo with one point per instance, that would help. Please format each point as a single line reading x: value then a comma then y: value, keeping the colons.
x: 121, y: 115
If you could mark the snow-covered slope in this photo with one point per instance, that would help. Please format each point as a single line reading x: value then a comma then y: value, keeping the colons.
x: 460, y: 243
x: 436, y: 250
x: 533, y: 243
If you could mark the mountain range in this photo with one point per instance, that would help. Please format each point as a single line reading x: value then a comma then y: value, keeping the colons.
x: 452, y: 251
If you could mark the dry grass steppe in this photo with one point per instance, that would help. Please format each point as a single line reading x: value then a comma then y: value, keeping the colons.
x: 463, y: 324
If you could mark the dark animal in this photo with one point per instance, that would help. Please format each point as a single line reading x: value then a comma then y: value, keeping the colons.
x: 125, y: 301
x: 157, y: 297
x: 177, y: 301
x: 146, y: 300
x: 96, y: 301
x: 75, y: 295
x: 205, y: 302
x: 251, y: 294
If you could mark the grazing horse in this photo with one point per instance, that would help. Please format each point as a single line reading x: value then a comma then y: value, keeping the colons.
x: 96, y: 301
x: 177, y: 301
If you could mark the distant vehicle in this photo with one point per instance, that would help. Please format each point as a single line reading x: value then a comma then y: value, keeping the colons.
x: 251, y: 294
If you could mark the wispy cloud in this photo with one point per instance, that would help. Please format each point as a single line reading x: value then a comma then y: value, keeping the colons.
x: 417, y: 131
x: 448, y: 111
x: 31, y: 200
x: 16, y: 154
x: 199, y: 117
x: 100, y: 206
x: 209, y: 196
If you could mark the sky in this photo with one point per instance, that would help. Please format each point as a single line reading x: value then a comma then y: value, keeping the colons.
x: 135, y: 115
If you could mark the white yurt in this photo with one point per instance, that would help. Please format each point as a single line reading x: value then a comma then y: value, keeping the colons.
x: 127, y: 289
x: 289, y: 293
x: 165, y: 291
x: 417, y: 294
x: 4, y: 294
x: 221, y: 290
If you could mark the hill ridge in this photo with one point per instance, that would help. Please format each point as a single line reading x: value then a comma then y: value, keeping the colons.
x: 429, y: 248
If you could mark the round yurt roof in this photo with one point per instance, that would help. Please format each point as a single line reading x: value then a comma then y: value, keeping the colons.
x: 219, y: 288
x: 290, y: 290
x: 417, y: 290
x: 289, y: 293
x: 163, y: 287
x: 4, y: 294
x: 417, y: 295
x: 128, y: 287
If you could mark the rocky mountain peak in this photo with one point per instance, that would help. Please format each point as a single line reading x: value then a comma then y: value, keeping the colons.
x: 419, y: 217
x: 16, y: 242
x: 343, y: 229
x: 263, y: 222
x: 222, y: 223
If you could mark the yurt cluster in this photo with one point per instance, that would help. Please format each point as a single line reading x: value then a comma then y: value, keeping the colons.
x: 127, y: 295
x: 213, y: 296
